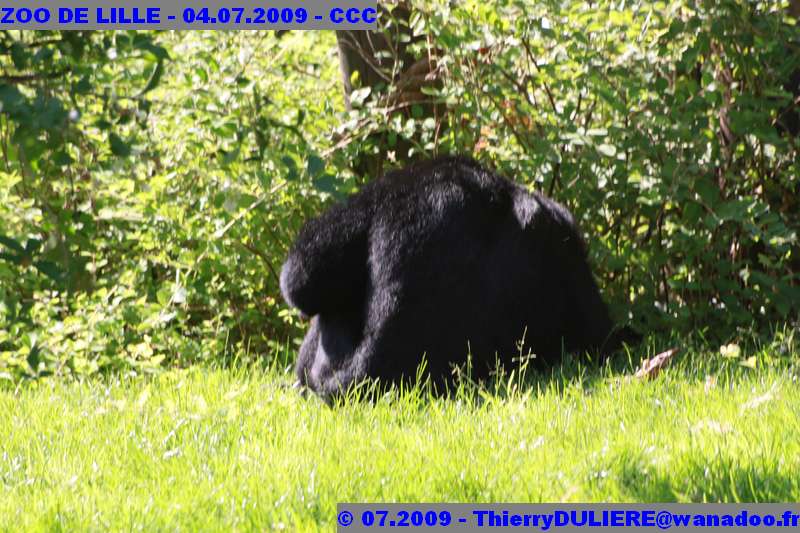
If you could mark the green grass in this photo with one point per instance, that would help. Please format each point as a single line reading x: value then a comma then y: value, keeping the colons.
x: 218, y: 450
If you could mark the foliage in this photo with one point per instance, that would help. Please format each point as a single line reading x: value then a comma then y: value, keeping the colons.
x: 666, y: 127
x: 151, y: 182
x: 73, y: 104
x: 149, y: 220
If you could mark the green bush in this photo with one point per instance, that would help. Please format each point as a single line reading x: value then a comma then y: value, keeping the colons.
x: 656, y: 123
x: 150, y: 183
x: 149, y: 224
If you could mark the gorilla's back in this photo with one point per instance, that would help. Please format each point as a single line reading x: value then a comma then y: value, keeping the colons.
x: 441, y: 259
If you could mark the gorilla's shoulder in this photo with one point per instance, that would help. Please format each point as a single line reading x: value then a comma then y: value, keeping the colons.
x: 442, y: 166
x: 450, y: 170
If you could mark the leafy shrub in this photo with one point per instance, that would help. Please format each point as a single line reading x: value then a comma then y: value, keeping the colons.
x: 150, y: 183
x: 659, y: 124
x: 148, y: 225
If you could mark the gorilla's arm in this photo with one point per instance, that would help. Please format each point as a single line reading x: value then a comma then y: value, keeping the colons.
x: 594, y: 321
x: 589, y: 324
x: 327, y: 266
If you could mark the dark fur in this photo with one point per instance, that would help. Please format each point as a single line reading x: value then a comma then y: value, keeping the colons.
x: 440, y: 258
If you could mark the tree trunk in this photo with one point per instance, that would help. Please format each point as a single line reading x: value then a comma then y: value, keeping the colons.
x: 382, y: 60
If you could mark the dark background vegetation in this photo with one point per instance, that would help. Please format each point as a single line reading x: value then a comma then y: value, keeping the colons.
x: 150, y: 183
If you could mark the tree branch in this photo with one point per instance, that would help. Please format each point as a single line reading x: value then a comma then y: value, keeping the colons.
x: 27, y: 78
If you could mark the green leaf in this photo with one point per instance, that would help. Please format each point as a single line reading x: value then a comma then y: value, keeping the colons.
x: 707, y: 190
x: 326, y: 183
x: 118, y: 147
x: 264, y: 179
x: 33, y: 358
x: 43, y: 56
x: 51, y: 113
x: 62, y: 159
x: 12, y: 258
x: 155, y: 78
x: 201, y: 73
x: 11, y: 100
x: 164, y: 294
x: 8, y: 242
x: 231, y: 156
x: 315, y: 166
x: 145, y: 42
x: 50, y: 269
x: 33, y: 246
x: 83, y: 86
x: 613, y: 100
x: 19, y: 56
x: 291, y: 167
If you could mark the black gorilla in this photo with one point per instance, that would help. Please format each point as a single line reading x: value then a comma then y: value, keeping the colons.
x: 440, y: 259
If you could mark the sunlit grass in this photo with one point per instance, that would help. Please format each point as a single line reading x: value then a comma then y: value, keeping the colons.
x: 220, y: 449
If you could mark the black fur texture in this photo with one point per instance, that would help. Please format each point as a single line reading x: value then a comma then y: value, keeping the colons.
x: 440, y: 259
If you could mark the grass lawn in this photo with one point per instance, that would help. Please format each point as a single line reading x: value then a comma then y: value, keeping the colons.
x: 218, y: 449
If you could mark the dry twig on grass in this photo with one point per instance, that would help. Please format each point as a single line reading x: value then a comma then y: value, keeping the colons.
x: 651, y: 367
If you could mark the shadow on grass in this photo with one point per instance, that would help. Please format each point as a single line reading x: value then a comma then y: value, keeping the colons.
x: 696, y: 478
x: 697, y: 359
